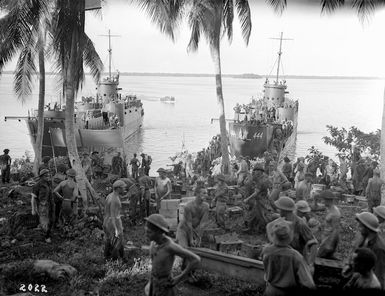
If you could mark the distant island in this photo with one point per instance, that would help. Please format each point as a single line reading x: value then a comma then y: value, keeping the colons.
x: 240, y: 76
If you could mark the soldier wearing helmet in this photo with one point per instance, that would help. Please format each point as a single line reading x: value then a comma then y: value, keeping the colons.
x: 303, y: 240
x: 368, y: 237
x: 379, y: 212
x: 68, y: 192
x: 256, y: 193
x: 162, y: 252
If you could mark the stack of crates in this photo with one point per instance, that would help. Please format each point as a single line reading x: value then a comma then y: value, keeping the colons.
x: 169, y: 210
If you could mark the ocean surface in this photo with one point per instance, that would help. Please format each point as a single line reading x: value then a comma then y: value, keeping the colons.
x: 338, y: 102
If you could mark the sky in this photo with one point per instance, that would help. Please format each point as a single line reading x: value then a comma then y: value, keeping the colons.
x: 336, y: 44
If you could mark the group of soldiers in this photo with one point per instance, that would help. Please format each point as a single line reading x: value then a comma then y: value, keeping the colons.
x: 288, y: 259
x: 207, y: 155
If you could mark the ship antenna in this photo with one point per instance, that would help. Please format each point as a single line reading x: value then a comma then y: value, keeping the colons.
x: 110, y: 51
x: 280, y: 52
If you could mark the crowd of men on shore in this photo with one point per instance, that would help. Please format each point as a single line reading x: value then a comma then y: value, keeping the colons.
x: 265, y: 193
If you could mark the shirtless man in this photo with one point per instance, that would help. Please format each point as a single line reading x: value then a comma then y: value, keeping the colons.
x: 112, y: 224
x: 162, y: 187
x: 162, y: 252
x: 195, y: 218
x: 68, y: 192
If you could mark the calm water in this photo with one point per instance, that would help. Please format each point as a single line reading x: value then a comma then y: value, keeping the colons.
x: 322, y: 101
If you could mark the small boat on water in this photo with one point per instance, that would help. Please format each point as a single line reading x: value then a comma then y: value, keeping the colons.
x: 104, y: 122
x: 265, y: 124
x: 167, y: 99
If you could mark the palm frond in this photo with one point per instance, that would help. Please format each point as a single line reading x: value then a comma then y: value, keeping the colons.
x: 195, y: 35
x: 92, y: 59
x: 165, y: 14
x: 365, y: 8
x: 25, y: 70
x: 228, y: 17
x: 244, y: 15
x: 278, y: 5
x: 331, y: 5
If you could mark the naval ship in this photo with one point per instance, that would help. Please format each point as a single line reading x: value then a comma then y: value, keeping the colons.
x: 268, y: 123
x: 104, y: 122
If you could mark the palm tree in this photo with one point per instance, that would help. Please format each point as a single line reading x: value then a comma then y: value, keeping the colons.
x: 73, y: 49
x: 213, y: 19
x: 364, y: 8
x: 23, y: 33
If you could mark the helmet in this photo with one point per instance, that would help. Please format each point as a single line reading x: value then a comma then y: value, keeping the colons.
x: 119, y: 183
x: 302, y: 206
x: 285, y: 203
x: 71, y: 173
x: 43, y: 172
x: 380, y: 211
x: 368, y: 220
x: 158, y: 221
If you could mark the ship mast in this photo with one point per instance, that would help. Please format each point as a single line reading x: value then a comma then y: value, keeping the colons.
x: 280, y: 52
x: 110, y: 52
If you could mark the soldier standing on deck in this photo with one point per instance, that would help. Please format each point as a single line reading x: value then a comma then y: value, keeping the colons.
x: 42, y: 203
x: 256, y: 191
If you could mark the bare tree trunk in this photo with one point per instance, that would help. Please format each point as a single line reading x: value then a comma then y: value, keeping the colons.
x: 40, y: 108
x: 215, y: 52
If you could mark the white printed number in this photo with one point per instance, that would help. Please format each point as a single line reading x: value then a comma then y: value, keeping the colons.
x: 33, y: 288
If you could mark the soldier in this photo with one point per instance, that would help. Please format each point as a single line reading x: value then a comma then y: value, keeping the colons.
x: 304, y: 241
x: 146, y: 163
x: 220, y: 199
x: 45, y: 165
x: 379, y: 212
x: 56, y: 180
x: 256, y: 191
x: 373, y: 190
x: 145, y: 184
x: 242, y: 172
x: 87, y: 165
x: 162, y: 252
x: 277, y: 178
x: 117, y: 165
x: 112, y: 224
x: 5, y: 164
x: 302, y: 210
x: 162, y: 187
x: 304, y: 187
x: 68, y: 192
x: 363, y: 277
x: 195, y: 219
x: 368, y: 237
x: 135, y: 163
x: 42, y: 203
x: 133, y: 194
x: 331, y: 234
x: 285, y: 268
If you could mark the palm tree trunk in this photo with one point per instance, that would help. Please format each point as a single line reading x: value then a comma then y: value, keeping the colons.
x: 40, y: 108
x: 215, y: 53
